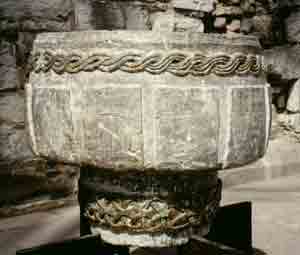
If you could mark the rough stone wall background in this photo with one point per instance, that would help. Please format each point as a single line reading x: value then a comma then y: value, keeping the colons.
x: 26, y: 178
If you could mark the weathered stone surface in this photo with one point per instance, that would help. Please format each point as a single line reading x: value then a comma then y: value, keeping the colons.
x: 8, y: 69
x: 285, y: 61
x: 292, y: 125
x: 187, y: 125
x: 220, y: 22
x: 163, y: 21
x: 262, y: 8
x: 111, y: 15
x: 138, y: 105
x: 41, y: 15
x: 195, y: 5
x: 122, y: 119
x: 284, y: 4
x: 84, y: 19
x: 185, y: 191
x: 14, y: 145
x: 184, y: 24
x: 292, y: 24
x: 234, y: 26
x: 14, y: 141
x: 248, y: 6
x: 251, y: 110
x: 12, y: 108
x: 115, y: 120
x: 42, y: 204
x: 52, y: 108
x: 262, y: 27
x: 222, y: 10
x: 137, y: 18
x: 246, y: 25
x: 293, y: 103
x: 22, y: 175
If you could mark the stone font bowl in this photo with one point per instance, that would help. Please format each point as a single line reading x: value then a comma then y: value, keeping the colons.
x: 156, y: 115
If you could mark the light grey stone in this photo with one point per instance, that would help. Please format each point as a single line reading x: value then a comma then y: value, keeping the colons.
x: 92, y: 132
x: 195, y: 5
x: 111, y: 15
x: 181, y: 139
x: 83, y: 15
x: 14, y: 144
x: 293, y: 103
x: 285, y: 61
x: 281, y: 102
x: 137, y: 17
x: 12, y: 107
x: 262, y: 27
x: 292, y: 24
x: 293, y: 124
x: 251, y: 110
x: 100, y: 15
x: 163, y: 21
x: 184, y: 24
x: 37, y: 15
x: 148, y: 104
x: 234, y: 25
x: 220, y: 22
x: 223, y: 10
x: 8, y: 68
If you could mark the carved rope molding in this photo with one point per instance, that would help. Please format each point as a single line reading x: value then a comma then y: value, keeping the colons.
x: 176, y: 63
x: 152, y: 215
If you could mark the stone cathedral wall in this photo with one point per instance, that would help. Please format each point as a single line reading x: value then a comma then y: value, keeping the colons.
x: 28, y: 183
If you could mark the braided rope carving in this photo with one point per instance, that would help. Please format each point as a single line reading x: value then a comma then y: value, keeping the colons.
x: 176, y: 63
x: 152, y: 215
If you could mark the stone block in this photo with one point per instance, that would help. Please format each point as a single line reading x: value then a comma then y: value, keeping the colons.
x: 52, y: 109
x: 285, y: 61
x: 184, y: 24
x: 222, y: 10
x: 84, y: 19
x: 37, y: 15
x: 234, y: 26
x: 137, y: 17
x: 8, y: 68
x: 293, y: 102
x: 114, y: 127
x: 141, y: 113
x: 187, y: 127
x: 14, y: 145
x: 262, y: 27
x: 12, y: 108
x: 220, y: 22
x: 292, y: 24
x: 163, y: 21
x: 195, y: 5
x: 249, y: 125
x: 246, y: 25
x: 110, y: 15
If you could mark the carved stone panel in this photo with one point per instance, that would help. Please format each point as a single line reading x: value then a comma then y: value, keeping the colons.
x: 53, y: 128
x: 186, y: 125
x: 113, y: 126
x: 148, y: 101
x: 249, y: 124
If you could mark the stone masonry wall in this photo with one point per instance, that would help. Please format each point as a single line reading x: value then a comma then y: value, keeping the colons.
x: 25, y: 178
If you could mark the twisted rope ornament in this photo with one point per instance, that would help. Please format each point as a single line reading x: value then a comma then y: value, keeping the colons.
x: 152, y: 215
x: 176, y: 63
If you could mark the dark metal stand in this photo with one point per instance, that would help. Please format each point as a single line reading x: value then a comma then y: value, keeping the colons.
x: 231, y: 234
